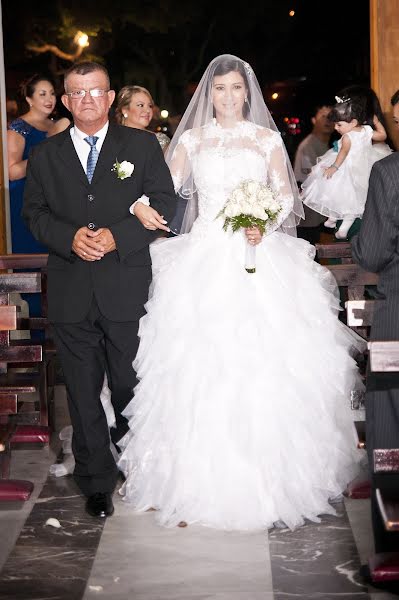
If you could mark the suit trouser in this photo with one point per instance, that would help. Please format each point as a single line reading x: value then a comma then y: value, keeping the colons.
x: 382, y: 431
x: 87, y: 350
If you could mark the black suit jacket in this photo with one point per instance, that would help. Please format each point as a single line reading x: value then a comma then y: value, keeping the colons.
x: 59, y: 200
x: 376, y: 247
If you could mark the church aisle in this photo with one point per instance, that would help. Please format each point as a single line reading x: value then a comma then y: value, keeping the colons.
x: 129, y: 557
x: 139, y: 559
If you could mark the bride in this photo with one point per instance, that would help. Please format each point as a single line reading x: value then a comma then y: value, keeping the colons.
x: 241, y: 417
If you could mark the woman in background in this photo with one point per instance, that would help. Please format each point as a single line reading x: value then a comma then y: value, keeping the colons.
x: 135, y: 108
x: 24, y: 133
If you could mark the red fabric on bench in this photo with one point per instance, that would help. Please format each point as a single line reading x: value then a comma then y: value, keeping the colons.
x: 16, y: 489
x: 384, y: 567
x: 358, y: 489
x: 31, y: 434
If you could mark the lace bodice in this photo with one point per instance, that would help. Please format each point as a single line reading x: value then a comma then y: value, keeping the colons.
x: 220, y: 158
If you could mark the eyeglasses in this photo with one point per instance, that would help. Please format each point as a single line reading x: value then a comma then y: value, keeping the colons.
x: 79, y: 94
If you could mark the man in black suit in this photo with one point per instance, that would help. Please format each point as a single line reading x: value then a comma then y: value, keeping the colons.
x: 376, y: 249
x: 99, y: 268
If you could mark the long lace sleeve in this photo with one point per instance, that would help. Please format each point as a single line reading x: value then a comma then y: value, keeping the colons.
x: 176, y: 166
x: 179, y: 163
x: 279, y: 180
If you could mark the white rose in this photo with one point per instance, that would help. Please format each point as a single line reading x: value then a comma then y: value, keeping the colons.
x: 246, y: 207
x: 259, y: 213
x: 266, y: 203
x: 252, y: 187
x: 265, y: 196
x: 238, y: 196
x: 274, y: 206
x: 126, y: 169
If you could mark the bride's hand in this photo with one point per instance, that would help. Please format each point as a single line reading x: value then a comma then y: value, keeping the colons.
x: 253, y: 234
x: 149, y: 217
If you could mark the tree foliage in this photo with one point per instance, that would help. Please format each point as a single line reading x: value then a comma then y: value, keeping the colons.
x: 166, y: 44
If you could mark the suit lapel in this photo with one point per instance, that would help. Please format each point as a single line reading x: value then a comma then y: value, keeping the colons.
x: 68, y: 154
x: 110, y: 151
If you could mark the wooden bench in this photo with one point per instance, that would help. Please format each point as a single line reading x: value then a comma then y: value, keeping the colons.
x: 384, y: 357
x: 339, y: 251
x: 353, y: 281
x: 10, y: 490
x: 25, y: 353
x: 33, y: 356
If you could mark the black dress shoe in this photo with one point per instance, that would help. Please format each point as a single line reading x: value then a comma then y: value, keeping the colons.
x: 100, y: 505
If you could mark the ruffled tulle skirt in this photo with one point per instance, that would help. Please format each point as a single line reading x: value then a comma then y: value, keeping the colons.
x: 241, y: 418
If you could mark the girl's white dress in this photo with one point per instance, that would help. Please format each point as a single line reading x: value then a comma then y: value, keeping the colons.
x: 345, y: 193
x: 241, y: 418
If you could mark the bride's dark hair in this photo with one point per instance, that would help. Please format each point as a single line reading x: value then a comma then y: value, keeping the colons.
x: 229, y: 65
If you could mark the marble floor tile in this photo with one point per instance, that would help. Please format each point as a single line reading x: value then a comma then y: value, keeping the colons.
x: 48, y: 562
x: 318, y: 560
x: 359, y: 515
x: 176, y: 595
x: 30, y: 462
x: 139, y: 559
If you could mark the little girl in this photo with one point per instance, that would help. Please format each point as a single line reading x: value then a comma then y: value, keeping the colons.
x: 337, y: 185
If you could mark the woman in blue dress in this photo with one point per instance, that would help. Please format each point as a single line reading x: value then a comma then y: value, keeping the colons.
x: 24, y: 133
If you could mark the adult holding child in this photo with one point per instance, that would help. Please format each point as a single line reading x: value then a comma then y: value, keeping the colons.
x: 337, y: 186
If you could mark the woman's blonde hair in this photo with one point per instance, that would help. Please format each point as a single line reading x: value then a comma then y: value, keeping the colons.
x: 124, y: 97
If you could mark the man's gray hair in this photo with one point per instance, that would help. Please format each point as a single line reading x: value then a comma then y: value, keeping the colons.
x: 83, y: 68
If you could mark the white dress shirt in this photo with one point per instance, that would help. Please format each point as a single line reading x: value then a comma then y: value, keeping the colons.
x: 82, y: 148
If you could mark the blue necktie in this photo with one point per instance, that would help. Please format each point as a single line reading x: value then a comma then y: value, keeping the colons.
x: 93, y: 156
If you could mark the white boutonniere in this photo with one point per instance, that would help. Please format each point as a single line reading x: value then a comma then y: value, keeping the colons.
x: 124, y: 169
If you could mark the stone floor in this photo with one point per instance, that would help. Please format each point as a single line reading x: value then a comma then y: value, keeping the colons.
x: 129, y: 557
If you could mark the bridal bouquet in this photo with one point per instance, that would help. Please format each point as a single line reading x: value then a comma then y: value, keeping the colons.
x: 251, y: 203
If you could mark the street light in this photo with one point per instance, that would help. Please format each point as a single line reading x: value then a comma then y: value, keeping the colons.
x: 81, y: 39
x: 164, y: 114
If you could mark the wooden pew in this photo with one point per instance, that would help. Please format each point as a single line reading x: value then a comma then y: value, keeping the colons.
x: 338, y: 251
x: 10, y: 490
x: 14, y: 386
x: 384, y: 357
x: 24, y: 351
x: 352, y: 281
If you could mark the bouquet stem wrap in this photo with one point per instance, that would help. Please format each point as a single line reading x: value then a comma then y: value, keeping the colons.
x: 250, y: 258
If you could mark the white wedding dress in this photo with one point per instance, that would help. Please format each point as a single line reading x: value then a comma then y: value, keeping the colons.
x: 241, y: 418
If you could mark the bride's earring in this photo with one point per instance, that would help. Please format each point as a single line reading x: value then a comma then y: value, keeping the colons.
x: 246, y: 100
x: 125, y: 115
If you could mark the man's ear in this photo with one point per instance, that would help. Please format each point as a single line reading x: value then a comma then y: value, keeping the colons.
x: 65, y: 101
x: 111, y: 96
x: 313, y: 120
